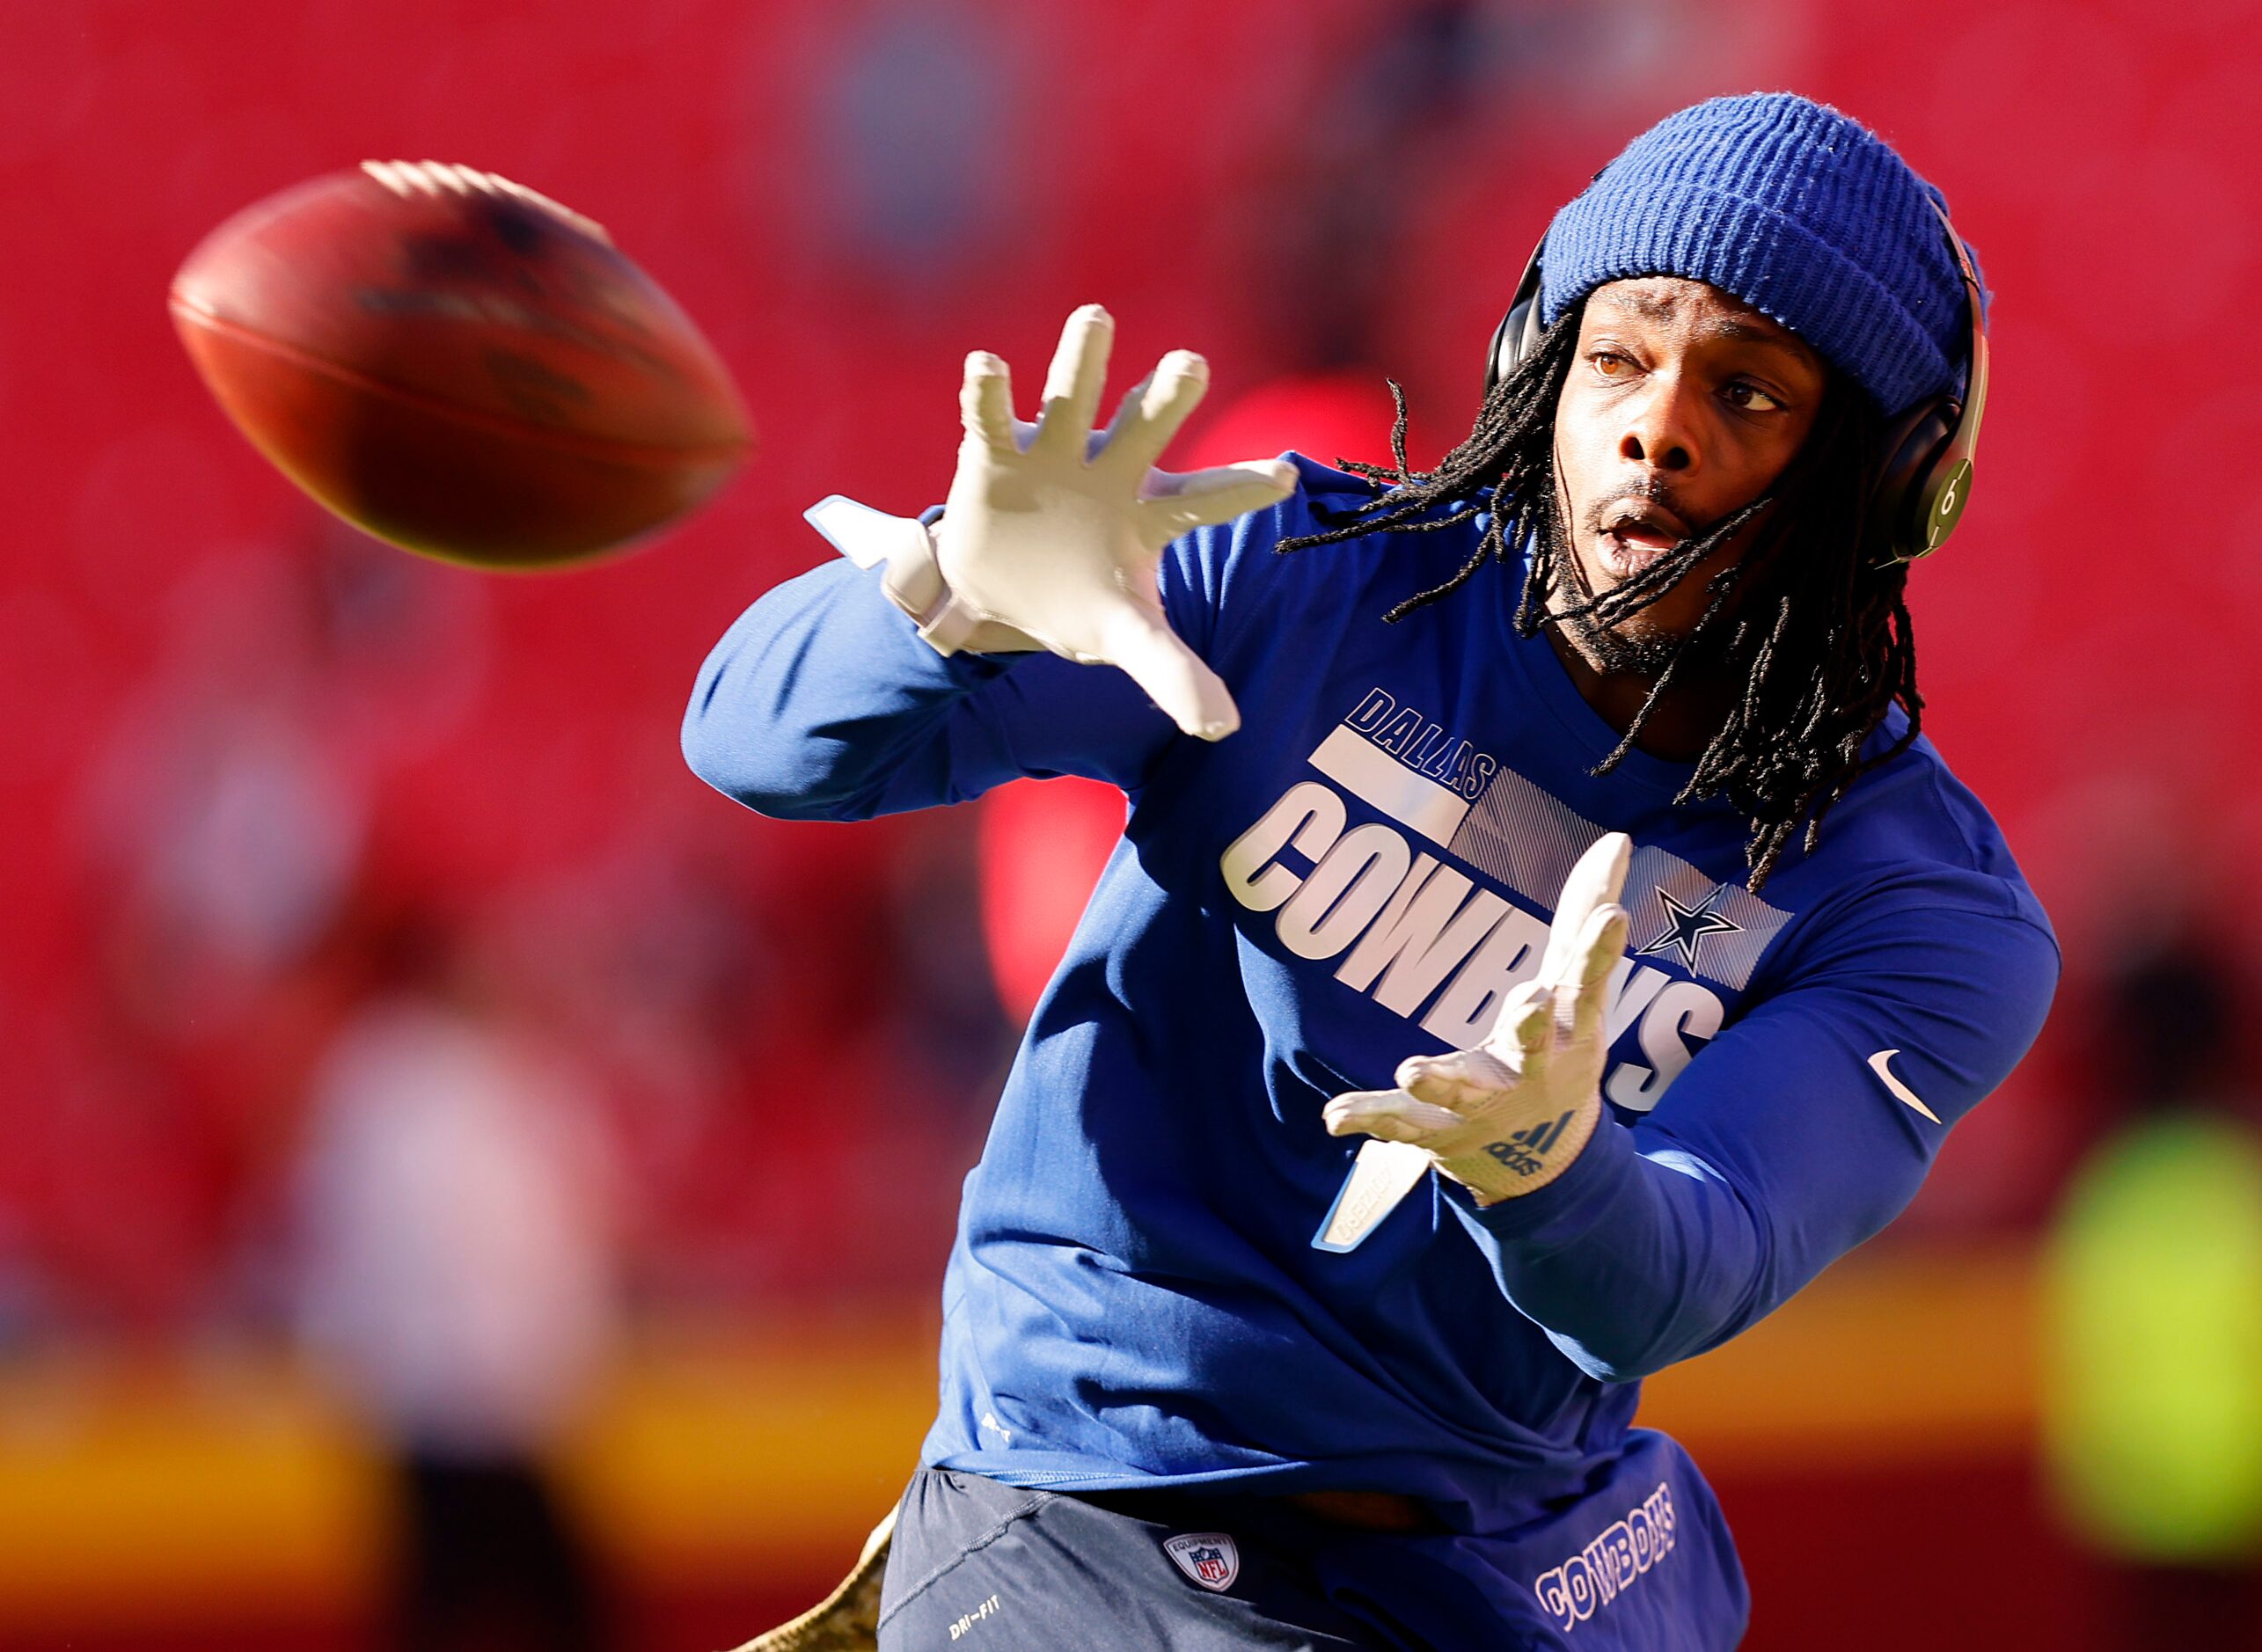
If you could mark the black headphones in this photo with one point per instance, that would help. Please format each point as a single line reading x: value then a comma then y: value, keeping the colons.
x: 1925, y: 480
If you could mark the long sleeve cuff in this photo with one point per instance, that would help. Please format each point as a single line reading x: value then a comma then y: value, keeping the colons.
x: 1563, y: 1210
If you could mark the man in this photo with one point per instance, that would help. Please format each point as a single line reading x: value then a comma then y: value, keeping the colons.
x: 1649, y: 652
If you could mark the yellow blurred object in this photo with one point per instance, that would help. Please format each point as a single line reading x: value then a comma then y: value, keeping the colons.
x: 848, y: 1618
x: 149, y: 1496
x: 707, y: 1452
x: 134, y: 1496
x: 1905, y: 1356
x: 2152, y: 1380
x: 195, y: 1490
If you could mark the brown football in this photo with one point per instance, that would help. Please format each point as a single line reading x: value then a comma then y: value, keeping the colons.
x: 459, y: 365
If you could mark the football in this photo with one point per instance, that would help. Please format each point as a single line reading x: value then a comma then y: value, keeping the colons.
x: 459, y: 365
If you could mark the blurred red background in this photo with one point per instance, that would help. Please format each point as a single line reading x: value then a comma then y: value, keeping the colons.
x: 247, y: 747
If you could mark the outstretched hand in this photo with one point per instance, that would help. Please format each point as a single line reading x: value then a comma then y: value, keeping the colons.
x: 1509, y: 1116
x: 1055, y: 532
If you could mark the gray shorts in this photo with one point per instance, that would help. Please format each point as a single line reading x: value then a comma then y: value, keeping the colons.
x: 982, y: 1566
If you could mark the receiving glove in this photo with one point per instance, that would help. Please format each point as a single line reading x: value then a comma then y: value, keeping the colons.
x: 1508, y: 1117
x: 1051, y: 535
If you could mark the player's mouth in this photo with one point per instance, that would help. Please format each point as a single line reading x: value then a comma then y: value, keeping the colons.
x: 1634, y: 534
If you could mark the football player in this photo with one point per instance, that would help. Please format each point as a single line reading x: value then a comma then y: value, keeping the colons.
x: 1577, y: 839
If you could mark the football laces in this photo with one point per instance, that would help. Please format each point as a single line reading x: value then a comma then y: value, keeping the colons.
x: 410, y: 179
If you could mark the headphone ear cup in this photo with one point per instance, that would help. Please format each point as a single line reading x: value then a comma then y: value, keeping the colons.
x: 1901, y: 498
x: 1513, y: 342
x: 1518, y: 335
x: 1939, y: 505
x: 1527, y: 328
x: 1499, y: 355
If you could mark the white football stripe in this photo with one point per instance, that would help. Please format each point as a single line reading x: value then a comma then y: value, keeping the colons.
x: 384, y: 172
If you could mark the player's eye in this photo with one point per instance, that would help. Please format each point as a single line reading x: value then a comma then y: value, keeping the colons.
x: 1610, y: 364
x: 1749, y: 397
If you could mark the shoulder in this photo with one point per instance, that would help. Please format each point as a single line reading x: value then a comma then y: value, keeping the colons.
x: 1911, y: 819
x: 1325, y: 487
x: 1253, y: 559
x: 1325, y: 498
x: 1910, y: 858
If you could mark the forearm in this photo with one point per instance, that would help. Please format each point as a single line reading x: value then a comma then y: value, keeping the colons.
x: 1631, y: 1263
x: 821, y: 702
x: 1785, y: 1142
x: 1781, y: 1148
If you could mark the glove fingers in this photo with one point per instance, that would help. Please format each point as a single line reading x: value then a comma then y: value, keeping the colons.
x: 1392, y: 1115
x: 1177, y: 503
x: 1599, y: 876
x: 1152, y: 415
x: 1139, y: 640
x: 1527, y: 1028
x: 1500, y: 1042
x: 1600, y: 951
x: 1073, y: 384
x: 985, y: 404
x: 1457, y: 1081
x: 1126, y: 410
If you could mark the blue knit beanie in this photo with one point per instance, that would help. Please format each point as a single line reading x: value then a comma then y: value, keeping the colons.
x: 1801, y: 212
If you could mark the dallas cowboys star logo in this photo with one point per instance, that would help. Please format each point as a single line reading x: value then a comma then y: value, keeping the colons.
x: 1686, y: 926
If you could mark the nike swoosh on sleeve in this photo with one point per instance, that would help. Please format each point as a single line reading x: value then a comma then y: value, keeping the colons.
x: 1877, y: 1066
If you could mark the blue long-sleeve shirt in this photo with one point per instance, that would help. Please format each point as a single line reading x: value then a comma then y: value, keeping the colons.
x: 1358, y: 875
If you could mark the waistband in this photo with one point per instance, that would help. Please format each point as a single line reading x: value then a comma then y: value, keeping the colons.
x: 1346, y: 1511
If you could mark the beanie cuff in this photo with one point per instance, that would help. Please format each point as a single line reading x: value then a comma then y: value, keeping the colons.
x: 1795, y: 209
x: 1771, y: 262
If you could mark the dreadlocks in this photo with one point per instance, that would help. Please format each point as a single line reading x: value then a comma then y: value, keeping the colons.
x: 1819, y: 642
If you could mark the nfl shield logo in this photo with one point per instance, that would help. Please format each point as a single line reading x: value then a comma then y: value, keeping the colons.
x: 1207, y: 1557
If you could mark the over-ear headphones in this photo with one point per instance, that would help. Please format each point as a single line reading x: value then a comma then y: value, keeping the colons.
x: 1924, y: 480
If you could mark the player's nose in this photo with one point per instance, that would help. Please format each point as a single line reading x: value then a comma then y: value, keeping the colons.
x: 1661, y: 427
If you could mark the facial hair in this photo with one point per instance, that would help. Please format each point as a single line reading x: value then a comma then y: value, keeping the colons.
x: 1606, y: 648
x: 1619, y: 640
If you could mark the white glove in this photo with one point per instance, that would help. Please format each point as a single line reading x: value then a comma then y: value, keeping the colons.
x: 1051, y: 534
x: 1509, y: 1117
x: 1056, y: 533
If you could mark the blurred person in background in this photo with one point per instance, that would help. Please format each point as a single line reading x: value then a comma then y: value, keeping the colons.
x: 458, y: 1277
x: 225, y: 825
x: 1171, y: 1413
x: 2152, y: 1370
